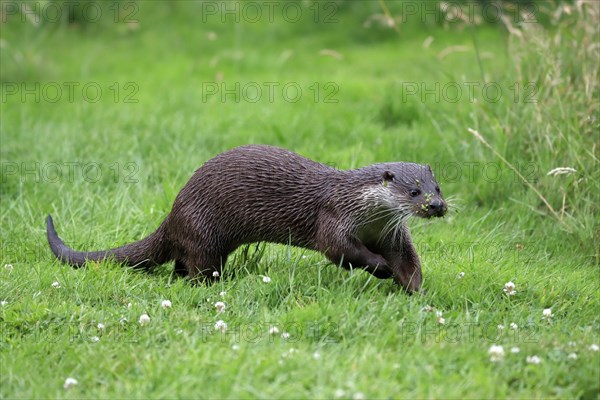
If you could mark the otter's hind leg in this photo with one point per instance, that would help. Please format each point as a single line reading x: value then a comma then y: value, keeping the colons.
x: 205, y: 267
x: 180, y: 269
x: 199, y: 255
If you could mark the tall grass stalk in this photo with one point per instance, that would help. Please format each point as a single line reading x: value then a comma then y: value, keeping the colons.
x: 560, y: 128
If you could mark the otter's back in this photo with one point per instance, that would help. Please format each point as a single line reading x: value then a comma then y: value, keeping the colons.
x: 257, y: 192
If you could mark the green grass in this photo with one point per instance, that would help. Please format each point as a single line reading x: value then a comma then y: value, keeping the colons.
x: 350, y: 333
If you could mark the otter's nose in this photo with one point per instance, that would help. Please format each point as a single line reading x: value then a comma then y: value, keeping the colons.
x: 437, y: 208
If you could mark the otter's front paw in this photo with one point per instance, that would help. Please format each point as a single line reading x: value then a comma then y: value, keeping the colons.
x: 410, y: 283
x: 379, y: 267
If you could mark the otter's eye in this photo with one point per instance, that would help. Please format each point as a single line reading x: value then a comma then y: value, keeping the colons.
x: 415, y: 192
x: 437, y: 189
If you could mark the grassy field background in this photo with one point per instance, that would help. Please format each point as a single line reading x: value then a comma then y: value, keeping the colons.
x: 108, y: 164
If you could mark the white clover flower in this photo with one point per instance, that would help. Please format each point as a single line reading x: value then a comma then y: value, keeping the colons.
x: 166, y: 304
x: 358, y: 396
x: 179, y: 331
x: 515, y: 350
x: 496, y: 353
x: 56, y: 285
x: 461, y: 275
x: 533, y: 360
x: 266, y: 279
x: 500, y: 327
x: 220, y: 306
x: 216, y: 274
x: 594, y: 347
x: 440, y: 320
x: 339, y: 393
x: 235, y: 347
x: 8, y: 267
x: 95, y: 339
x: 509, y: 288
x: 222, y: 294
x: 547, y: 313
x: 3, y: 303
x: 572, y: 356
x: 129, y: 305
x: 285, y: 335
x: 220, y: 325
x: 316, y: 355
x: 572, y: 344
x: 427, y: 308
x: 273, y: 330
x: 100, y: 325
x: 144, y: 319
x: 70, y: 382
x: 514, y: 326
x: 288, y: 353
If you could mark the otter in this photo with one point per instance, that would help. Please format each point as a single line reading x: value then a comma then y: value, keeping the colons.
x: 258, y: 193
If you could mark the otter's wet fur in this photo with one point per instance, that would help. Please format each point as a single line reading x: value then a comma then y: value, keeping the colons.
x: 258, y: 193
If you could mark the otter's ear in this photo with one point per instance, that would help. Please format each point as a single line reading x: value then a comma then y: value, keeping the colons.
x: 388, y: 176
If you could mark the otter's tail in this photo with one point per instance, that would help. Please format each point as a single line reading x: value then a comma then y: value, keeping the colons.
x: 148, y: 252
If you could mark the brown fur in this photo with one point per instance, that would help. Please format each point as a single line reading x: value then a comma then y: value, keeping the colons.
x: 261, y: 193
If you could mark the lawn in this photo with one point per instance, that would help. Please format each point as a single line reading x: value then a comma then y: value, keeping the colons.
x: 104, y: 120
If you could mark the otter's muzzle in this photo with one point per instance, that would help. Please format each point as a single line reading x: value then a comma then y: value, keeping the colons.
x: 436, y: 208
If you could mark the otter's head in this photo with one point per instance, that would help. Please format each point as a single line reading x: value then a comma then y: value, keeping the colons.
x: 413, y: 189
